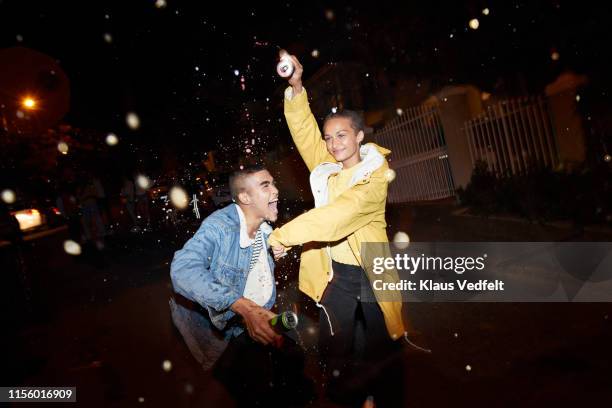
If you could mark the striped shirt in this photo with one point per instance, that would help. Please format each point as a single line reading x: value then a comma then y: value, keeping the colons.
x: 260, y: 282
x: 257, y: 245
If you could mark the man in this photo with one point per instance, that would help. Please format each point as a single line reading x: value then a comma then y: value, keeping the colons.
x: 225, y: 268
x: 349, y: 185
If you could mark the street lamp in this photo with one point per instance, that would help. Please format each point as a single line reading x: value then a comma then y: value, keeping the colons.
x: 29, y: 103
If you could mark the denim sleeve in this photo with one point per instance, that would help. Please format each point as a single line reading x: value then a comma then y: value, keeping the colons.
x: 192, y: 277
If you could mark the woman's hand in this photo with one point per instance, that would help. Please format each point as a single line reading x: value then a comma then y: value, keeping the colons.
x: 279, y: 252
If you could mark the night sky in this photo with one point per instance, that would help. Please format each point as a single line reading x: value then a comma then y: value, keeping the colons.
x: 174, y: 64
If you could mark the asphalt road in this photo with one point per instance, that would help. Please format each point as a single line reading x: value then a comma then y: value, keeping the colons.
x: 101, y: 322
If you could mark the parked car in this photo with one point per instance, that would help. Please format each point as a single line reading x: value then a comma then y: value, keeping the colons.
x: 34, y: 215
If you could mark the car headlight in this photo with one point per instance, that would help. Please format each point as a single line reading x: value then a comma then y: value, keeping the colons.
x: 28, y: 219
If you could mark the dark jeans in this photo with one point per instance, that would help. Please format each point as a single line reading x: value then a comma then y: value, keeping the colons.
x: 258, y: 375
x: 360, y: 352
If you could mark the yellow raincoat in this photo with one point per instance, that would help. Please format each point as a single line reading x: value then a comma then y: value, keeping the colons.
x: 358, y: 214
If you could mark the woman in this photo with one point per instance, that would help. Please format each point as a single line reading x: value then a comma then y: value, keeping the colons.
x: 349, y: 185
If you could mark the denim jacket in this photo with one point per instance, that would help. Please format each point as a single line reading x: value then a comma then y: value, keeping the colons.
x: 212, y: 268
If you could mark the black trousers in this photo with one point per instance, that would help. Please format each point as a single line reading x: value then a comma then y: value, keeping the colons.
x: 258, y: 375
x: 359, y: 353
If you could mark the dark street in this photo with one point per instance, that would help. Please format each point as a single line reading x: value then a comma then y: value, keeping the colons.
x: 104, y: 326
x: 288, y: 204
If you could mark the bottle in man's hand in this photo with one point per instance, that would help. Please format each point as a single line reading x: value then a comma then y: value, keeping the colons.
x: 284, y: 322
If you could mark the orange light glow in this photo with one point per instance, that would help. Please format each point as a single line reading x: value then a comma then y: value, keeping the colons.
x: 29, y: 103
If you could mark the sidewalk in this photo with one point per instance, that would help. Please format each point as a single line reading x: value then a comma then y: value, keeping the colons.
x: 447, y: 222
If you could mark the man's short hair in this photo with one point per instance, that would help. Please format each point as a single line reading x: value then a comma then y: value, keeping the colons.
x: 236, y: 178
x: 355, y: 118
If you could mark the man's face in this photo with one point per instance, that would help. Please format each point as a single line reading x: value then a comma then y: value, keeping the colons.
x: 341, y: 139
x: 263, y: 195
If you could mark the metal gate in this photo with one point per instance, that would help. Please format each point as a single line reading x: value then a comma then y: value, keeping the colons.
x: 419, y: 156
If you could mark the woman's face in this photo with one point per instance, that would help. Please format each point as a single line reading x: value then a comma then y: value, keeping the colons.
x: 342, y: 140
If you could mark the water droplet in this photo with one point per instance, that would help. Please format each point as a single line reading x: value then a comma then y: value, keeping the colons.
x: 112, y: 139
x: 401, y: 240
x: 143, y: 181
x: 133, y: 121
x: 390, y: 175
x: 72, y: 248
x: 62, y: 147
x: 8, y: 196
x: 178, y: 197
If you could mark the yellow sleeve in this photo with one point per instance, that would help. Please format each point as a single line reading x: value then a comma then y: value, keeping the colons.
x: 304, y: 129
x: 352, y: 210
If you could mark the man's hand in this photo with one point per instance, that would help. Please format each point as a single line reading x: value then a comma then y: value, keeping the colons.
x: 279, y: 252
x: 296, y: 79
x: 257, y: 320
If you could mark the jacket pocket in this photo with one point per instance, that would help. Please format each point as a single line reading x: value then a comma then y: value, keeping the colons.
x: 231, y: 275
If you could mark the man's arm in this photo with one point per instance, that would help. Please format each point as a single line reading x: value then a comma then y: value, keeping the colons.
x: 352, y: 210
x: 302, y: 123
x: 191, y: 275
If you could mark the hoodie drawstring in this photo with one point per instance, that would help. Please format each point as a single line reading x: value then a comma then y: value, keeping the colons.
x: 414, y: 345
x: 331, y: 330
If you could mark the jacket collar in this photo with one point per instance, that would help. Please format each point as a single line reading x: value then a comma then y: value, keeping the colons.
x: 372, y: 157
x: 245, y: 240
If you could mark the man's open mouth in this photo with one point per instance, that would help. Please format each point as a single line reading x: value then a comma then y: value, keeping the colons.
x: 273, y: 205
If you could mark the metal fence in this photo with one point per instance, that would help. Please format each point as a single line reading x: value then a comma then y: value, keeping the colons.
x: 419, y: 156
x: 513, y: 136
